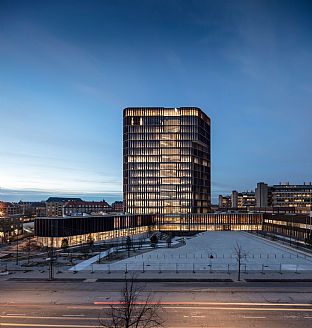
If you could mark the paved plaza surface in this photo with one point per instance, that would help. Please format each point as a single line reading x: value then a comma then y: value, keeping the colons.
x: 214, y: 251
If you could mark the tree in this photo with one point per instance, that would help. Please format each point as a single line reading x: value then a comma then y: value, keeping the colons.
x: 64, y: 243
x: 239, y: 254
x: 90, y: 241
x: 134, y: 310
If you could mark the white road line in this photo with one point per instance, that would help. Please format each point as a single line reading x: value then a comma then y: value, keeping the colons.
x: 73, y: 315
x: 50, y: 318
x: 15, y: 324
x: 237, y: 308
x: 15, y: 314
x: 254, y: 317
x: 217, y: 303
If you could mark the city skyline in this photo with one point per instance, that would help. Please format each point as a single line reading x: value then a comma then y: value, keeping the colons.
x: 69, y: 70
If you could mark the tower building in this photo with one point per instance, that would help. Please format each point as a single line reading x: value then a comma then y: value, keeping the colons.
x: 166, y: 154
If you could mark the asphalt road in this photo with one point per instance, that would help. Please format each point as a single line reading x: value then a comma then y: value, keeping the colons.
x: 61, y: 304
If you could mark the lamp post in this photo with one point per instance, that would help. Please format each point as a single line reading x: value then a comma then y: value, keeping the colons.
x: 17, y: 248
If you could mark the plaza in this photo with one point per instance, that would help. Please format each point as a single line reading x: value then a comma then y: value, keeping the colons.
x: 212, y: 251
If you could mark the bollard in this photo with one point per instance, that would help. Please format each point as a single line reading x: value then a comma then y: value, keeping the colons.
x: 159, y: 268
x: 193, y: 268
x: 228, y: 270
x: 245, y: 268
x: 176, y: 267
x: 92, y: 271
x: 126, y: 271
x: 210, y: 271
x: 280, y: 271
x: 109, y: 270
x: 143, y: 269
x: 296, y: 268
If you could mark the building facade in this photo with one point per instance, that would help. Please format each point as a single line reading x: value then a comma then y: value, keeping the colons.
x: 8, y: 209
x: 73, y: 207
x: 292, y: 195
x: 285, y: 195
x: 78, y: 230
x: 166, y: 160
x: 243, y: 200
x: 224, y: 202
x: 54, y: 205
x: 262, y: 195
x: 118, y: 206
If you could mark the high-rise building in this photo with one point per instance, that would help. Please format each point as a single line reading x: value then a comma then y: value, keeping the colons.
x: 262, y: 195
x: 166, y: 160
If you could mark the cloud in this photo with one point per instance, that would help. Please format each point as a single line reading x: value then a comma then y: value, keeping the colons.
x: 15, y: 195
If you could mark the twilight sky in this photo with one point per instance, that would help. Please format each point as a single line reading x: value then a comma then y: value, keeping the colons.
x: 68, y: 68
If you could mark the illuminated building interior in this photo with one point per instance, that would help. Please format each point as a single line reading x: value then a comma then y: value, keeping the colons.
x: 166, y: 160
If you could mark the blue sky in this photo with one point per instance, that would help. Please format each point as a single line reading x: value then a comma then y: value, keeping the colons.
x: 68, y: 68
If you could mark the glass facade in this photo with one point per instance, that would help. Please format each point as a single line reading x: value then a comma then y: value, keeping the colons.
x: 78, y: 230
x: 166, y: 160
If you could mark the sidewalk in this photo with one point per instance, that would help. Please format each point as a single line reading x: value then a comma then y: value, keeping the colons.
x: 187, y: 276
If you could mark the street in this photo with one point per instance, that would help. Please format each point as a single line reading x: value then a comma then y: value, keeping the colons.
x: 73, y: 304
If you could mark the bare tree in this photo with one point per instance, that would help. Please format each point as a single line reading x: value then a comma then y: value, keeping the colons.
x: 239, y: 254
x: 134, y: 310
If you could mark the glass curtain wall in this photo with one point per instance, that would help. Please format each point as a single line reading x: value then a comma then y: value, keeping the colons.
x: 166, y: 160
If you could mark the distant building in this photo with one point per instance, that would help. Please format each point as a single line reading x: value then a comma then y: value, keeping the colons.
x: 245, y: 199
x: 234, y: 199
x: 292, y: 195
x: 9, y: 209
x: 225, y: 202
x: 10, y: 227
x: 118, y: 206
x: 74, y: 207
x: 33, y: 209
x: 54, y: 205
x: 262, y: 195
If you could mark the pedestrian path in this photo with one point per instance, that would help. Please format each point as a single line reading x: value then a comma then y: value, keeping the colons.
x: 87, y: 263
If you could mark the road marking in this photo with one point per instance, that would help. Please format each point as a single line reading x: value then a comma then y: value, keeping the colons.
x: 237, y: 308
x: 43, y: 325
x: 198, y: 316
x: 208, y: 303
x: 254, y: 317
x: 308, y: 317
x: 15, y: 314
x: 73, y: 315
x: 50, y: 318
